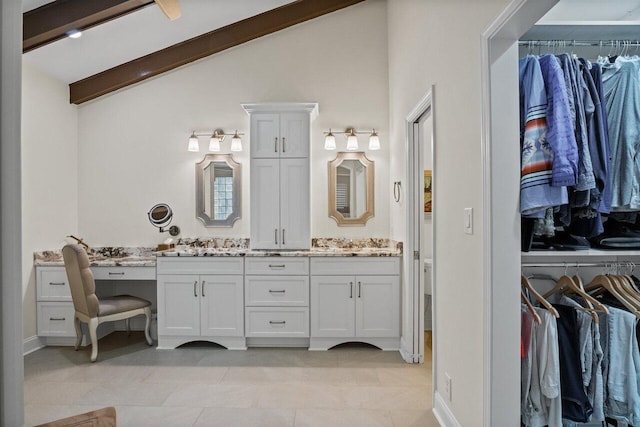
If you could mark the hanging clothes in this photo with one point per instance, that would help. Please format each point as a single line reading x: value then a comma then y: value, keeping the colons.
x: 536, y: 190
x: 541, y: 403
x: 621, y: 81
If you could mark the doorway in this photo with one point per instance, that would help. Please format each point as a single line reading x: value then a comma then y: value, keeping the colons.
x: 420, y: 233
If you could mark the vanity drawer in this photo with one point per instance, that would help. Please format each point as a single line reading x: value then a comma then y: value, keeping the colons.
x: 337, y: 266
x: 290, y: 322
x: 200, y: 265
x: 276, y: 290
x: 55, y: 319
x: 53, y: 284
x: 277, y: 265
x: 124, y: 273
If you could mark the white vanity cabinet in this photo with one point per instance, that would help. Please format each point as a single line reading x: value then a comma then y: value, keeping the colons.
x: 277, y: 301
x: 280, y: 183
x: 200, y: 298
x: 355, y: 300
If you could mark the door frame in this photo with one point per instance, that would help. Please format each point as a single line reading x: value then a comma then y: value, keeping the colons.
x: 413, y: 341
x: 501, y: 244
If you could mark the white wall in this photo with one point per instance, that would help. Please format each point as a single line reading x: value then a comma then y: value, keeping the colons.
x: 132, y: 144
x: 436, y: 42
x: 49, y: 175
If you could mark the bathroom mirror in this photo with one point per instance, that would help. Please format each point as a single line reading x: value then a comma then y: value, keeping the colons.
x: 218, y: 190
x: 351, y: 178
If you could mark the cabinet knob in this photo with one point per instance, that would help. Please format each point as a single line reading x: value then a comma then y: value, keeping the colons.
x: 275, y: 146
x: 350, y: 289
x: 275, y: 233
x: 283, y: 139
x: 118, y: 273
x: 57, y: 318
x: 277, y: 322
x: 56, y: 283
x: 359, y: 289
x: 195, y: 289
x: 283, y: 236
x: 282, y: 291
x: 202, y: 289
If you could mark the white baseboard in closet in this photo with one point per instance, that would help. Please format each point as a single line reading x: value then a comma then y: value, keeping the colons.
x: 442, y: 412
x: 31, y: 344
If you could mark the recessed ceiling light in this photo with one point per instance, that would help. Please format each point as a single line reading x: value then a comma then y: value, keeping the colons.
x: 74, y: 34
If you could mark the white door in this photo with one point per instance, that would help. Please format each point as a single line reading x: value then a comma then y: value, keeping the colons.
x: 295, y: 209
x: 265, y: 204
x: 265, y: 129
x: 222, y: 306
x: 332, y: 306
x: 178, y: 304
x: 377, y: 306
x: 294, y: 135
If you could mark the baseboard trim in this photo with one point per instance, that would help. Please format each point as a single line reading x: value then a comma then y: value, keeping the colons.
x: 442, y: 412
x: 32, y: 344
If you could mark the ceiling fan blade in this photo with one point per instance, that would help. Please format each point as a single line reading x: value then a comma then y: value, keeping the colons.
x: 171, y: 8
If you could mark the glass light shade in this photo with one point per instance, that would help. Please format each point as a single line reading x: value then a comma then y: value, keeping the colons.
x: 329, y: 142
x: 352, y: 142
x: 374, y: 141
x: 193, y: 143
x: 214, y: 144
x: 236, y: 143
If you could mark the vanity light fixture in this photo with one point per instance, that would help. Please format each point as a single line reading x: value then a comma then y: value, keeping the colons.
x: 215, y: 140
x: 352, y: 139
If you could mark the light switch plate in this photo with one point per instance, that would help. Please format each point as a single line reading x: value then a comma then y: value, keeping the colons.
x: 468, y: 220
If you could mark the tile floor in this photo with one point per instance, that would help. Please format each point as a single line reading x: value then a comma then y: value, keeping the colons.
x: 205, y: 385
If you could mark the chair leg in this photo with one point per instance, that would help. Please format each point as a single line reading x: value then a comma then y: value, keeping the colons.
x: 147, y: 326
x: 127, y: 324
x: 93, y: 326
x: 76, y: 323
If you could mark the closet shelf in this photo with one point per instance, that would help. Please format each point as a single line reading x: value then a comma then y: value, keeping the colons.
x: 591, y: 30
x: 580, y: 254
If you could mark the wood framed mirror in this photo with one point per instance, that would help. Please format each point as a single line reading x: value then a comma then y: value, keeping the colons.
x: 218, y: 179
x: 351, y: 178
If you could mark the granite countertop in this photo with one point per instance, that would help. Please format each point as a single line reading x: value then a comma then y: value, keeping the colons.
x: 146, y: 257
x: 104, y: 257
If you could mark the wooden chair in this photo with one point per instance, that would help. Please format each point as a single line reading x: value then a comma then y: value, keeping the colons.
x: 91, y: 310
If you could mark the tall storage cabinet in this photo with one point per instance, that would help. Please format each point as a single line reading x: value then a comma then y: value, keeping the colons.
x: 280, y: 183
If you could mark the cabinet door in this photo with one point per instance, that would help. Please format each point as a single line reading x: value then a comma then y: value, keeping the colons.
x: 265, y: 210
x: 179, y: 304
x: 294, y: 135
x: 332, y: 306
x: 222, y: 306
x: 377, y: 306
x: 265, y: 135
x: 294, y: 204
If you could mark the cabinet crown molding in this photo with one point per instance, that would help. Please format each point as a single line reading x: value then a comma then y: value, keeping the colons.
x: 282, y: 107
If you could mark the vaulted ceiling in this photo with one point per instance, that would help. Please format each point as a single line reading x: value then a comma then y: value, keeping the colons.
x: 126, y: 41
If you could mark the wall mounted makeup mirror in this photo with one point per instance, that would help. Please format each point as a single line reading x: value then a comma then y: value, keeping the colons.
x: 160, y: 216
x: 351, y: 177
x: 218, y: 179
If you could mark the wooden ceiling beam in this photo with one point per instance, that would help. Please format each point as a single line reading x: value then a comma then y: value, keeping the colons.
x: 52, y: 21
x: 199, y: 47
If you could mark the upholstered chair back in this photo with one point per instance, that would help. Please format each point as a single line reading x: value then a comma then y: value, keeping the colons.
x: 83, y: 287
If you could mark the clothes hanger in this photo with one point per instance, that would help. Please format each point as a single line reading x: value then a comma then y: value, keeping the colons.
x: 532, y: 310
x: 603, y: 282
x: 539, y: 298
x: 566, y: 283
x: 591, y: 301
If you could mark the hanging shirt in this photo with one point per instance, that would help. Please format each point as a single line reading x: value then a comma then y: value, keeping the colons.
x: 536, y: 190
x: 577, y: 90
x: 623, y: 373
x: 544, y: 406
x: 559, y: 132
x: 602, y: 134
x: 621, y: 82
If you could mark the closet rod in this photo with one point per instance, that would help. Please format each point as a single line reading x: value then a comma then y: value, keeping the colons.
x: 576, y: 264
x: 563, y: 43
